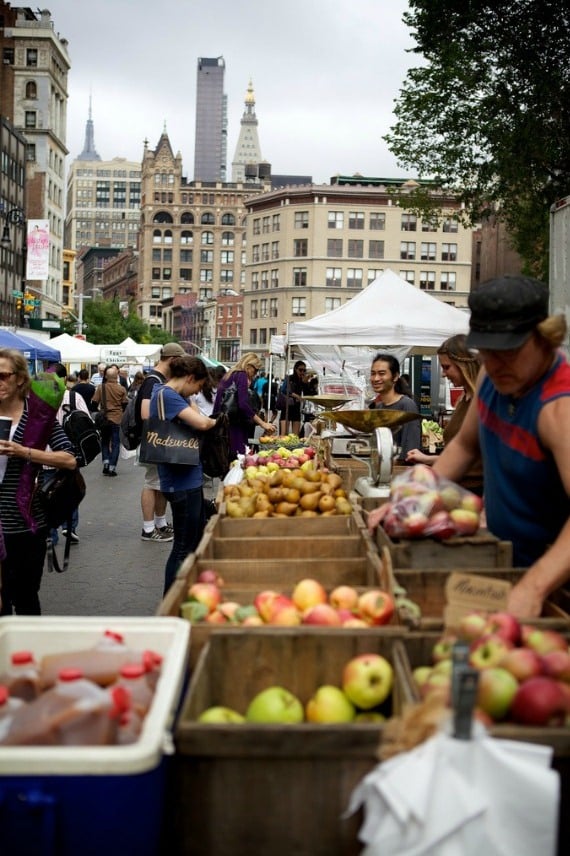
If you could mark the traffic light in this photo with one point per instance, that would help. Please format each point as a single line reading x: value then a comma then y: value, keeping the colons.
x: 19, y: 303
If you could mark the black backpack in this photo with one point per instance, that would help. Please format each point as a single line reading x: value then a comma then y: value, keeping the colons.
x: 82, y: 432
x: 130, y: 429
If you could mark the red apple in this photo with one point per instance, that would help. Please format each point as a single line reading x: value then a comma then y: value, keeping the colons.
x: 367, y: 680
x: 216, y: 617
x: 268, y: 602
x: 343, y: 597
x: 496, y: 691
x: 209, y: 575
x: 207, y: 593
x: 414, y: 524
x: 286, y: 615
x: 376, y: 606
x: 543, y: 641
x: 440, y: 525
x: 354, y: 622
x: 472, y: 626
x: 557, y: 665
x: 523, y: 663
x: 228, y: 608
x: 539, y: 701
x: 488, y: 651
x: 308, y: 593
x: 472, y: 502
x: 322, y: 613
x: 505, y: 625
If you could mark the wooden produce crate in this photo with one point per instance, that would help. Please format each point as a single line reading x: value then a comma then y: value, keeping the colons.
x: 415, y: 650
x: 269, y: 788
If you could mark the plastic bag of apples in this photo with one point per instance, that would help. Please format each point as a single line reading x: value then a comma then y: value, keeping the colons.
x: 422, y: 504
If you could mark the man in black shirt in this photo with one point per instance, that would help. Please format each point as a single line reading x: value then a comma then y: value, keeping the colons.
x: 85, y: 388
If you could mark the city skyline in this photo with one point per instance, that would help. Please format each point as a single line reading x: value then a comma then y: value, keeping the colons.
x: 325, y: 76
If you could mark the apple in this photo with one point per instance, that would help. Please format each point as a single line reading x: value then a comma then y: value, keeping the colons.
x: 308, y: 592
x: 472, y: 626
x: 414, y: 524
x: 421, y: 674
x: 539, y: 701
x: 472, y: 502
x: 438, y: 684
x: 275, y: 704
x: 322, y: 613
x: 367, y: 716
x: 444, y: 667
x: 496, y: 691
x: 229, y: 608
x: 450, y: 495
x: 209, y: 575
x: 376, y: 607
x: 268, y: 602
x: 193, y: 611
x: 440, y: 525
x: 329, y: 704
x: 488, y: 651
x: 344, y: 597
x: 556, y: 664
x: 465, y: 522
x: 216, y: 617
x: 523, y: 663
x: 422, y: 474
x: 220, y: 715
x: 543, y: 641
x: 253, y: 621
x: 367, y: 680
x: 443, y: 648
x: 207, y: 593
x: 286, y: 615
x: 355, y: 622
x: 505, y: 625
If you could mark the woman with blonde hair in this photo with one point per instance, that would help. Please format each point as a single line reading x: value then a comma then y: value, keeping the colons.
x: 461, y: 367
x: 241, y: 376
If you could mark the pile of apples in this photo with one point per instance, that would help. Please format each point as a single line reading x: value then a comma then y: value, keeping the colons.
x: 305, y: 491
x: 269, y: 460
x: 425, y: 505
x: 290, y: 440
x: 308, y: 604
x: 366, y: 683
x: 524, y: 670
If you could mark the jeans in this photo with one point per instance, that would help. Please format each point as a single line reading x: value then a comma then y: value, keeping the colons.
x: 54, y: 533
x: 188, y: 524
x: 110, y: 445
x: 22, y: 572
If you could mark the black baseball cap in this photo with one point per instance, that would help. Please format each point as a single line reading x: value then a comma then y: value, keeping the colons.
x: 505, y: 311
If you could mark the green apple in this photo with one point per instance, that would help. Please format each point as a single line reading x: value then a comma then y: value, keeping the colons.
x: 496, y: 692
x: 220, y: 715
x: 370, y: 716
x: 367, y: 680
x: 275, y: 704
x: 329, y: 704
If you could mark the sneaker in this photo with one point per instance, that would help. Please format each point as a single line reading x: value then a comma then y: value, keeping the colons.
x: 156, y: 535
x: 166, y: 530
x: 74, y: 536
x: 105, y: 469
x: 112, y: 473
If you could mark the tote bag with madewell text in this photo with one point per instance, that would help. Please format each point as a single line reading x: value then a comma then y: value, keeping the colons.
x: 165, y: 441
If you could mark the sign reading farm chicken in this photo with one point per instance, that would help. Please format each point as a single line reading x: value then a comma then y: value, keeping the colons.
x: 37, y: 242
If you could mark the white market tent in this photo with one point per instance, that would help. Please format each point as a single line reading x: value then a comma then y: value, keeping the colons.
x: 138, y: 353
x: 389, y: 313
x: 74, y: 350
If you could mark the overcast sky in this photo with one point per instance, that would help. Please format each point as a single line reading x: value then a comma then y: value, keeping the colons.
x: 325, y: 75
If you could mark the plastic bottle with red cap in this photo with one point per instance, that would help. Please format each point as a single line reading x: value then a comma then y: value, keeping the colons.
x: 101, y: 663
x: 8, y: 707
x: 22, y: 676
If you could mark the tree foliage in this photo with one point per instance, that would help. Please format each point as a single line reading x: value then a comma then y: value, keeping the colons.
x: 104, y: 324
x: 488, y: 113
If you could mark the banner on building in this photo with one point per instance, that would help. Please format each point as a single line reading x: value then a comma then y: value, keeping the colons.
x: 37, y: 242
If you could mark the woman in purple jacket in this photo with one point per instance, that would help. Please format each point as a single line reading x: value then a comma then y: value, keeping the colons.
x: 242, y: 376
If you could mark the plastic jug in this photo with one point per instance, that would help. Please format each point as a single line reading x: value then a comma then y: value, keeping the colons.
x: 8, y: 707
x: 133, y: 678
x: 22, y: 676
x: 101, y: 663
x: 74, y: 712
x: 152, y: 663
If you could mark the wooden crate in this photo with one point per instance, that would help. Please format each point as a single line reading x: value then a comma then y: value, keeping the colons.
x: 266, y: 788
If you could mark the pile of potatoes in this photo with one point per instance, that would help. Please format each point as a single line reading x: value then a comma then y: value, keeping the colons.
x: 307, y: 492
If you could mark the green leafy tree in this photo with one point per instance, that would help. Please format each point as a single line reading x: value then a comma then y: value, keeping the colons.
x: 105, y: 324
x: 488, y: 114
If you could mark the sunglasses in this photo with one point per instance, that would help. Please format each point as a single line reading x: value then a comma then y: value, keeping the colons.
x: 6, y: 375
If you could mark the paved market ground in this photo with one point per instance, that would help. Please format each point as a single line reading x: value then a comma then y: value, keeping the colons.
x: 112, y: 571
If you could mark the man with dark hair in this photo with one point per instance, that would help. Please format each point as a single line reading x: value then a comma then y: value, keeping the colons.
x: 84, y: 387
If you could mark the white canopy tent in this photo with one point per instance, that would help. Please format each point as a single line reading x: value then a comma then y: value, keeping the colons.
x: 139, y: 353
x: 74, y: 350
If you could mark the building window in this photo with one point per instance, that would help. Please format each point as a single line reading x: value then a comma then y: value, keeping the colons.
x: 32, y: 58
x: 449, y: 252
x: 187, y: 217
x: 31, y: 152
x: 377, y: 220
x: 255, y: 253
x: 263, y: 308
x: 255, y: 280
x: 356, y: 220
x: 205, y: 294
x: 300, y: 276
x: 207, y: 219
x: 334, y: 248
x: 373, y: 273
x: 31, y: 90
x: 186, y: 274
x: 300, y: 247
x: 408, y: 250
x: 265, y: 252
x: 228, y: 239
x: 334, y: 277
x: 266, y: 225
x: 274, y: 278
x: 167, y: 237
x: 275, y: 249
x: 30, y: 118
x: 336, y: 219
x: 301, y: 219
x: 207, y: 238
x: 206, y: 275
x: 157, y: 255
x: 185, y: 255
x: 409, y: 276
x: 227, y: 276
x: 273, y: 307
x: 448, y: 281
x: 428, y: 251
x: 254, y: 313
x: 331, y: 303
x: 429, y: 225
x: 265, y: 279
x: 167, y: 255
x: 253, y: 337
x: 227, y: 257
x: 427, y: 280
x: 409, y: 222
x: 355, y: 249
x: 263, y: 336
x: 376, y: 249
x: 354, y: 278
x: 228, y: 220
x: 155, y: 292
x: 167, y: 273
x: 157, y: 236
x: 156, y: 273
x: 256, y: 227
x: 207, y: 257
x: 276, y: 223
x: 450, y: 225
x: 298, y: 306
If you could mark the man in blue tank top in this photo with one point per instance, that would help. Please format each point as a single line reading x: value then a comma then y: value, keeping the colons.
x: 520, y: 421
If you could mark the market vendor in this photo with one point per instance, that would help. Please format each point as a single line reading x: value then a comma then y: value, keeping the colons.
x: 389, y: 395
x: 520, y: 421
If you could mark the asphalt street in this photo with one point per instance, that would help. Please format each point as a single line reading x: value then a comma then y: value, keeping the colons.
x: 111, y: 571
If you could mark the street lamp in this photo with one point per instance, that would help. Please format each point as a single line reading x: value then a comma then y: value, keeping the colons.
x: 14, y: 217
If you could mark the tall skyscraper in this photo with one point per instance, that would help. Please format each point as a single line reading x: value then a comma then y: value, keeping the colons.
x: 210, y: 147
x: 247, y: 149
